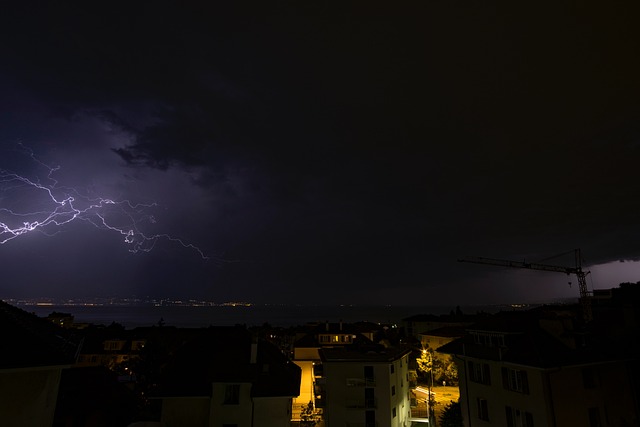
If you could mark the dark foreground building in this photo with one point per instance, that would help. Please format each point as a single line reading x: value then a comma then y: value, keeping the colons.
x: 34, y: 352
x: 547, y: 367
x: 224, y: 377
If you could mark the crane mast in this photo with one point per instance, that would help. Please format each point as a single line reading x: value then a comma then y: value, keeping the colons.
x: 581, y: 275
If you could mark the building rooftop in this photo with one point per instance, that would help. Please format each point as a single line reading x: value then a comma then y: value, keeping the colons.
x: 30, y: 341
x: 446, y: 332
x: 311, y: 341
x: 358, y: 330
x: 365, y: 353
x: 224, y: 355
x: 544, y: 337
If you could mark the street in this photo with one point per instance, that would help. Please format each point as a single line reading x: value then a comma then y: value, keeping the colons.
x: 442, y: 395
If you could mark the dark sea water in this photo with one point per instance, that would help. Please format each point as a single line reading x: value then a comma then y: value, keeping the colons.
x: 275, y: 315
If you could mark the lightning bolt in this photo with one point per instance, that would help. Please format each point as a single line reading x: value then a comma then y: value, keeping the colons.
x: 59, y: 206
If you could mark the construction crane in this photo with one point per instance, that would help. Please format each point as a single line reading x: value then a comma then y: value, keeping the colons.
x: 585, y: 295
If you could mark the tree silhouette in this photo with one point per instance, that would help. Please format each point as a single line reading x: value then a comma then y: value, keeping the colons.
x: 451, y: 415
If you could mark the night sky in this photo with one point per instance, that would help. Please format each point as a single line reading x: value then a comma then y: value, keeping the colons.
x: 321, y: 152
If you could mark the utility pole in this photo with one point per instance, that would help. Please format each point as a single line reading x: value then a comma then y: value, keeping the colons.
x: 432, y: 418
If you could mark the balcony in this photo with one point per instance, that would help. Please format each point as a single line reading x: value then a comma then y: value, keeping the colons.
x: 361, y: 382
x: 361, y: 403
x: 373, y: 424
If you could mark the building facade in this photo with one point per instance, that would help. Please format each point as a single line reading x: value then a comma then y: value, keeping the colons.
x: 366, y: 386
x: 545, y: 367
x: 306, y: 354
x: 31, y: 366
x: 224, y: 378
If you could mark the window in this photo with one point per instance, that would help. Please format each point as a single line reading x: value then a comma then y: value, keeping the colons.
x: 515, y: 380
x: 113, y: 345
x: 368, y: 373
x: 392, y: 368
x: 232, y: 394
x: 369, y: 398
x: 528, y: 420
x: 589, y: 378
x: 393, y: 412
x: 480, y: 373
x: 393, y: 390
x: 370, y: 418
x: 510, y: 416
x: 483, y: 409
x: 518, y: 418
x: 488, y: 339
x: 594, y: 417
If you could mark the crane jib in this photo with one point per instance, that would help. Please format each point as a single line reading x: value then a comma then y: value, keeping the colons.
x: 580, y: 274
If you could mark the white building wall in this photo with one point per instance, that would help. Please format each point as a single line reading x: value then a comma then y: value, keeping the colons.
x: 611, y: 395
x: 221, y: 413
x: 345, y: 393
x: 307, y: 380
x: 185, y: 412
x: 498, y: 397
x: 28, y: 396
x: 271, y: 412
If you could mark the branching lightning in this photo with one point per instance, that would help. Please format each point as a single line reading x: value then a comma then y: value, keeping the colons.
x: 28, y: 205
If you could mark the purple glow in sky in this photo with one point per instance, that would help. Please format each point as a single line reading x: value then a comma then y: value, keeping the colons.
x: 325, y: 153
x: 48, y: 206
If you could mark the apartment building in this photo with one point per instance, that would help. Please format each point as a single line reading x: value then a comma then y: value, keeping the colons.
x: 33, y: 356
x: 226, y: 378
x: 545, y: 367
x: 366, y: 386
x: 306, y: 354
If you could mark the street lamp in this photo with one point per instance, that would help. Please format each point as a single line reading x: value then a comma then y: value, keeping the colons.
x: 430, y: 395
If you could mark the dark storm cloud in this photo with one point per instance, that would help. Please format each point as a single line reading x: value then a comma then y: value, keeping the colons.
x: 354, y: 146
